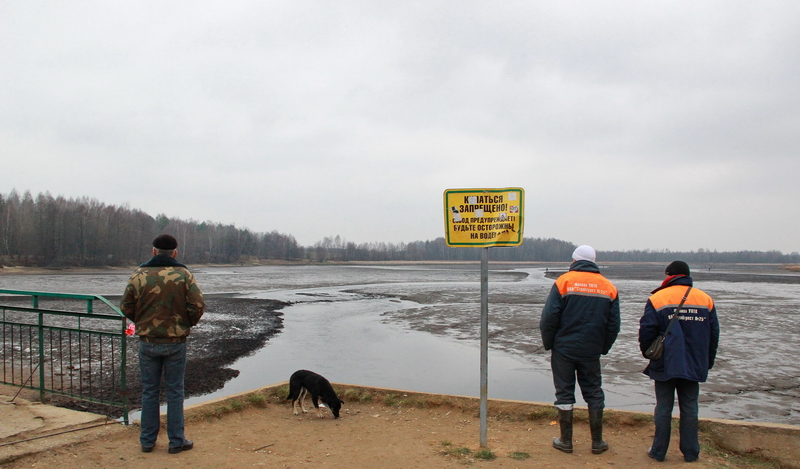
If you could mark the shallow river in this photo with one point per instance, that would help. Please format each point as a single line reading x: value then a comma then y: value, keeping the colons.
x: 416, y: 327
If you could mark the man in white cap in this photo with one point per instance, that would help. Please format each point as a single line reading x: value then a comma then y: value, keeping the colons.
x: 580, y: 321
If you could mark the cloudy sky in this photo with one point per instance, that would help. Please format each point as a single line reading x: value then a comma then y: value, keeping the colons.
x: 629, y: 124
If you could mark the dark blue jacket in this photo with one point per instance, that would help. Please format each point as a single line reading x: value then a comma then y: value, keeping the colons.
x: 691, y: 345
x: 580, y: 319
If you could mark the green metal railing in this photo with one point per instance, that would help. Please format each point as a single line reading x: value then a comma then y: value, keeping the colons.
x: 78, y: 354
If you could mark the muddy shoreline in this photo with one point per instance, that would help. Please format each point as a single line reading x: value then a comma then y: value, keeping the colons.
x: 756, y: 377
x: 230, y: 329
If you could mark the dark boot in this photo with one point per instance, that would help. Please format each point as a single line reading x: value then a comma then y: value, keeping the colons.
x: 565, y: 421
x: 596, y: 427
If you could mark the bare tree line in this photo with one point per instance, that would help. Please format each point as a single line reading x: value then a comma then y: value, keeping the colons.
x: 54, y: 231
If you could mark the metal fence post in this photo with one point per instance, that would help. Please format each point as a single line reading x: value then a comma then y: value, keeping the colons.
x: 41, y: 356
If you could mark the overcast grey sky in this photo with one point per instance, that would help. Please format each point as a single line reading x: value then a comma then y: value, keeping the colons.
x: 629, y: 124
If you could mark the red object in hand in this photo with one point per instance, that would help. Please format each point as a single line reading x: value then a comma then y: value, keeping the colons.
x: 131, y: 329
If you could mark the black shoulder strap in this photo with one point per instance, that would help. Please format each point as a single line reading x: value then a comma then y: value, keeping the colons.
x: 677, y: 310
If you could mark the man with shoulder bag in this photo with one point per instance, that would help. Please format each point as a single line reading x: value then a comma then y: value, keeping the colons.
x: 685, y: 318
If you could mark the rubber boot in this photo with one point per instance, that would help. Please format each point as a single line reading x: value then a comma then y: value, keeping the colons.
x: 565, y: 421
x: 596, y: 427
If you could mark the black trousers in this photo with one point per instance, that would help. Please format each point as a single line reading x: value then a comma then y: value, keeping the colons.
x: 588, y: 375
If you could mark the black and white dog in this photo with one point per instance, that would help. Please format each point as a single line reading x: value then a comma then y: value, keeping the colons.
x: 304, y: 382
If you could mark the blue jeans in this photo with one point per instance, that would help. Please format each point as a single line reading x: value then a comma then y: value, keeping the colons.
x: 155, y: 359
x: 688, y: 394
x: 589, y: 378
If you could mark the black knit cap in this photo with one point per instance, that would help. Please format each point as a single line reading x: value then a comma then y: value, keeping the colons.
x: 165, y: 242
x: 678, y: 268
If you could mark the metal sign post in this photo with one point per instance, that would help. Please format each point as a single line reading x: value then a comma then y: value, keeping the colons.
x: 484, y: 343
x: 484, y: 218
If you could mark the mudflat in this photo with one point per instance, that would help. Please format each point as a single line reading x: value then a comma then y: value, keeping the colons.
x: 755, y: 378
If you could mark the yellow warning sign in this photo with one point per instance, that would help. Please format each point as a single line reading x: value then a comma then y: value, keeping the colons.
x: 484, y: 217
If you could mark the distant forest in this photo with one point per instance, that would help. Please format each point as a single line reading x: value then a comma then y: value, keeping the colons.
x: 54, y: 231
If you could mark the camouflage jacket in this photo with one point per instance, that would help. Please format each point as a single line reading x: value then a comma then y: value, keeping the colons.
x: 163, y: 300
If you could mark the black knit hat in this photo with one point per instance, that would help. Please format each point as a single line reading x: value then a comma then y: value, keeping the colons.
x: 677, y: 268
x: 165, y: 242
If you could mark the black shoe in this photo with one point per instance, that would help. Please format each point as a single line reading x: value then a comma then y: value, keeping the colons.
x: 599, y: 445
x: 147, y: 449
x: 187, y: 445
x: 565, y: 422
x: 651, y: 455
x: 565, y: 446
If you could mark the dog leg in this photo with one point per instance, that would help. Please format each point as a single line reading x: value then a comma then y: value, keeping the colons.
x: 318, y: 406
x: 303, y: 393
x: 295, y: 403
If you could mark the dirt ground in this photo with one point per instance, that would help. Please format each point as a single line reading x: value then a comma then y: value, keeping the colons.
x: 377, y: 428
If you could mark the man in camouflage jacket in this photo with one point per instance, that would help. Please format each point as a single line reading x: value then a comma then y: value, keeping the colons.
x: 163, y: 300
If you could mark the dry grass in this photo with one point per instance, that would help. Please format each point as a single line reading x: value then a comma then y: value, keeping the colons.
x: 498, y: 410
